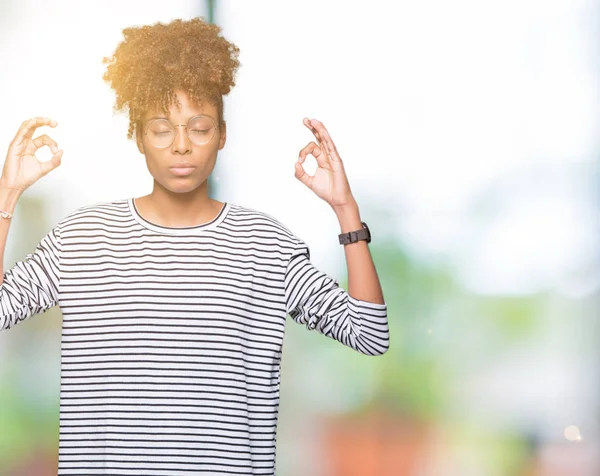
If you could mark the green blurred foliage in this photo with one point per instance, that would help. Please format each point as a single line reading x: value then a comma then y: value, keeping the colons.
x: 514, y: 317
x: 429, y: 313
x: 409, y: 378
x: 29, y: 405
x: 502, y: 453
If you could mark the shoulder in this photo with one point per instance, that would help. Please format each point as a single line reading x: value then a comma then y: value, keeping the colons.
x: 99, y: 211
x: 258, y: 220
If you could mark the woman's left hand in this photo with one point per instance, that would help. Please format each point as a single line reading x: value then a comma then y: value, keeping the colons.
x: 329, y: 181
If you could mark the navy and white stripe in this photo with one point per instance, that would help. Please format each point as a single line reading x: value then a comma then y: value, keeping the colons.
x: 172, y: 337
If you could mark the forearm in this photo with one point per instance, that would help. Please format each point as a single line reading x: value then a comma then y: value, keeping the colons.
x: 8, y: 201
x: 363, y: 282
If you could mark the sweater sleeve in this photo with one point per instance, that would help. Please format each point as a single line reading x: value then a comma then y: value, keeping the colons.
x: 31, y: 285
x: 316, y: 300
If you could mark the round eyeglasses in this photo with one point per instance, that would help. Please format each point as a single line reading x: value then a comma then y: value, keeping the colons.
x: 199, y: 129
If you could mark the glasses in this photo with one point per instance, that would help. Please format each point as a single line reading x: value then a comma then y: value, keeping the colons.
x: 199, y: 129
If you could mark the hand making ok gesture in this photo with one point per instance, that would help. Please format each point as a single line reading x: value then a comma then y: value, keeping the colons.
x: 329, y: 181
x: 21, y: 167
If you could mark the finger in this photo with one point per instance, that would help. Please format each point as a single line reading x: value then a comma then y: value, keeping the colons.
x: 317, y: 152
x: 45, y: 140
x: 301, y: 174
x: 310, y: 148
x: 322, y: 142
x: 51, y: 164
x: 308, y: 124
x: 326, y: 139
x: 27, y: 129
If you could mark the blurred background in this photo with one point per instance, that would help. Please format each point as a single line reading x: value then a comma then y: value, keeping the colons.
x: 470, y: 135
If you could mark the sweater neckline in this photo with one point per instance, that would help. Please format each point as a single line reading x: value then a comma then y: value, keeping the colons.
x: 167, y: 230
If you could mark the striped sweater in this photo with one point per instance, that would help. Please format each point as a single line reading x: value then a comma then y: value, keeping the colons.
x: 172, y: 338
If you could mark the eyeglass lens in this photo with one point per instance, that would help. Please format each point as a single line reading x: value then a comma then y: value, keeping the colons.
x: 200, y: 130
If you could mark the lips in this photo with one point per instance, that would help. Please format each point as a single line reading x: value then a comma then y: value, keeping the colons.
x: 184, y: 168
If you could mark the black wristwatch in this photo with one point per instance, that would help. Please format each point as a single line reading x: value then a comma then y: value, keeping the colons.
x: 354, y: 236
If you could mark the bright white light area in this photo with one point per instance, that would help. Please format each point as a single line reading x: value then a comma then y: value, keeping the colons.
x: 52, y: 66
x: 572, y: 433
x: 429, y: 103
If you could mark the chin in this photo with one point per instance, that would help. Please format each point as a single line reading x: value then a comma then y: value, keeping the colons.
x: 182, y: 185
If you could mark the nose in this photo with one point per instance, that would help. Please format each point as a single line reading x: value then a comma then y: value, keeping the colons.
x: 181, y: 144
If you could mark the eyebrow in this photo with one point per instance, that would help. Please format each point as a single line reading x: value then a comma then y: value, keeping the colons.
x: 163, y: 117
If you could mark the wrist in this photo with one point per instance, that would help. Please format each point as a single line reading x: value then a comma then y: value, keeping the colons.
x: 349, y: 217
x: 348, y: 208
x: 9, y: 196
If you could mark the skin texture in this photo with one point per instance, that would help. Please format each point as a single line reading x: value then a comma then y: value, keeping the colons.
x: 180, y: 201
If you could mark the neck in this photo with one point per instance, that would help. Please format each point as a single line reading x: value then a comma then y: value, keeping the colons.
x: 178, y: 210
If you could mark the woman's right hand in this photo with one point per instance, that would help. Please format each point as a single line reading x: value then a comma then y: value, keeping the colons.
x: 21, y: 167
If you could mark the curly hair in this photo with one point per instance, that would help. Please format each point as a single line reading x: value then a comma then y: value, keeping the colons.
x: 152, y: 61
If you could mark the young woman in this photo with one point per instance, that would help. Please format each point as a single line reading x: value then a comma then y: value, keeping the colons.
x: 174, y: 303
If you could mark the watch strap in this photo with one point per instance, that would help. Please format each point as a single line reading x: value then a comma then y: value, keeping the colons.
x: 356, y: 235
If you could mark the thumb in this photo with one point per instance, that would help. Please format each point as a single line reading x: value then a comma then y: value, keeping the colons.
x: 301, y: 174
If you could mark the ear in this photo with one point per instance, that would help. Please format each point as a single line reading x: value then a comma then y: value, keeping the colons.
x: 138, y: 137
x: 222, y: 135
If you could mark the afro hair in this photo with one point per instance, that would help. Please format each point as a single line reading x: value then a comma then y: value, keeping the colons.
x: 153, y: 61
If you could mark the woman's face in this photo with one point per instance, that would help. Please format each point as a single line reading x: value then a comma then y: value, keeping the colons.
x: 200, y: 159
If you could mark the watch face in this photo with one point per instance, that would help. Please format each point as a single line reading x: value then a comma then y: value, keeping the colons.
x: 368, y: 231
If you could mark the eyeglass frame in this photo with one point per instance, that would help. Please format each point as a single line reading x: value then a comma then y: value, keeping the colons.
x: 180, y: 125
